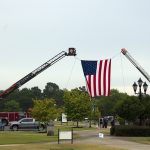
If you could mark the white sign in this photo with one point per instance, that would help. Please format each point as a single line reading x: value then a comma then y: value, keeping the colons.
x: 101, y: 135
x: 65, y: 135
x: 64, y: 118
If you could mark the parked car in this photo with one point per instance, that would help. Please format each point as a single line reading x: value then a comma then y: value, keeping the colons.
x: 26, y: 123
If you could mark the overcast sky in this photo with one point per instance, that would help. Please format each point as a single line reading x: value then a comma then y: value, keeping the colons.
x: 33, y: 31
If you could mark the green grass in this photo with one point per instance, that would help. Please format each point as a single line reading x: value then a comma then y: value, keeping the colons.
x: 20, y: 137
x: 48, y: 146
x: 23, y: 137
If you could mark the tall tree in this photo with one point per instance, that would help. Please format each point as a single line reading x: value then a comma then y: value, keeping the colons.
x: 12, y: 106
x: 107, y: 105
x: 52, y: 91
x: 45, y: 110
x: 130, y: 109
x: 36, y: 92
x: 25, y: 99
x: 77, y: 105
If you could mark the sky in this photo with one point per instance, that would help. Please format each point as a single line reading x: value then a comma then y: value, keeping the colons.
x: 34, y: 31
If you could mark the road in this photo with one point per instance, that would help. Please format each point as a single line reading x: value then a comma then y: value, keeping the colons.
x: 92, y: 137
x: 120, y: 142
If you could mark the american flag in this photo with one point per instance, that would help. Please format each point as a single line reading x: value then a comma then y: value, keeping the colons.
x: 97, y: 75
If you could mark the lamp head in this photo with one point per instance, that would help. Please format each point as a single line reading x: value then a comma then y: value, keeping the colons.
x: 145, y: 86
x: 140, y: 82
x: 134, y: 87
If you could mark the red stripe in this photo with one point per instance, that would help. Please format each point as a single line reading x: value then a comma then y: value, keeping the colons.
x: 89, y: 84
x: 104, y: 80
x: 94, y: 84
x: 109, y: 73
x: 99, y: 78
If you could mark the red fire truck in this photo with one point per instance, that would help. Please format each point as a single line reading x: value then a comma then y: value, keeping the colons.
x: 6, y: 117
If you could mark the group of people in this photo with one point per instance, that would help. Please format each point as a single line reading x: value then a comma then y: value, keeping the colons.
x: 103, y: 122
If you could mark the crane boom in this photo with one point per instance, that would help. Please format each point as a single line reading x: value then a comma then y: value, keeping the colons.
x: 71, y: 52
x: 135, y: 63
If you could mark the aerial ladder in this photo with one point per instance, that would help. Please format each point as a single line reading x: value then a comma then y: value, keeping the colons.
x: 71, y: 52
x: 135, y: 63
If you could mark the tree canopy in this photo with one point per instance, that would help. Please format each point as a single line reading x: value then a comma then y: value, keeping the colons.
x: 45, y: 110
x: 77, y: 105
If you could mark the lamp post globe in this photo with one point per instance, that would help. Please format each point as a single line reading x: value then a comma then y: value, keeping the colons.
x: 145, y: 86
x: 140, y: 82
x: 134, y: 87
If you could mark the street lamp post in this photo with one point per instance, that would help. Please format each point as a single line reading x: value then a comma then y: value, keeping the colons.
x: 140, y: 84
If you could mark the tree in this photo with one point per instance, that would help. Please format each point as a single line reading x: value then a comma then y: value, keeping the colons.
x: 130, y: 109
x: 25, y: 99
x: 82, y: 88
x: 36, y: 92
x: 77, y: 105
x: 52, y: 91
x: 107, y: 105
x: 45, y: 110
x: 146, y: 115
x: 11, y: 106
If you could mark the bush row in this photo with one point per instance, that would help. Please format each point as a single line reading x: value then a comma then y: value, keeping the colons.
x: 130, y: 130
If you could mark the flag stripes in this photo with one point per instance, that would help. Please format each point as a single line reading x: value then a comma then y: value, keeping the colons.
x: 98, y: 82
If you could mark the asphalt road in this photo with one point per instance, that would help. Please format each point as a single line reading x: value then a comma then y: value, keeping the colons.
x: 120, y: 142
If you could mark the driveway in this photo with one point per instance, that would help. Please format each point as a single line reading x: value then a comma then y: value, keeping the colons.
x: 120, y: 142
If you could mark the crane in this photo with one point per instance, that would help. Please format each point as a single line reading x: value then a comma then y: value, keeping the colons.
x: 135, y: 63
x: 31, y: 75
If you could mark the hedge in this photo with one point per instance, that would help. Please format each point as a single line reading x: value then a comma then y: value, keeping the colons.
x: 130, y: 130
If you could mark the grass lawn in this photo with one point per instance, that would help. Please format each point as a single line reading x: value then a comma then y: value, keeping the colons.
x: 21, y: 137
x: 26, y: 140
x: 48, y: 146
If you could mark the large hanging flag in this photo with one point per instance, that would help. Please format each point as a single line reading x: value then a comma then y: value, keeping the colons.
x: 97, y: 75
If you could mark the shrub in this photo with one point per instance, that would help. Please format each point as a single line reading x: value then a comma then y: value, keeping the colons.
x: 130, y: 130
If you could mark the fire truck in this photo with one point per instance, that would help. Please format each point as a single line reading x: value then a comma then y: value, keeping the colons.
x: 6, y: 117
x: 14, y: 116
x: 135, y: 63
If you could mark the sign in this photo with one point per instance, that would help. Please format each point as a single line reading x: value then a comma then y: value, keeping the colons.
x: 101, y: 135
x: 64, y: 118
x: 65, y: 135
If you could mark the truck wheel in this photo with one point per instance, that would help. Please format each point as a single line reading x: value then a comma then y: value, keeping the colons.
x: 15, y: 128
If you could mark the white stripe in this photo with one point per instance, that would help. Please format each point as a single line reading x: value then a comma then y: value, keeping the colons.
x: 107, y: 67
x: 92, y: 85
x: 102, y: 78
x: 97, y: 71
x: 87, y: 84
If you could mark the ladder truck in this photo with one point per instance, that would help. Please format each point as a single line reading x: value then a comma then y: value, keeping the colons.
x: 135, y: 63
x: 71, y: 52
